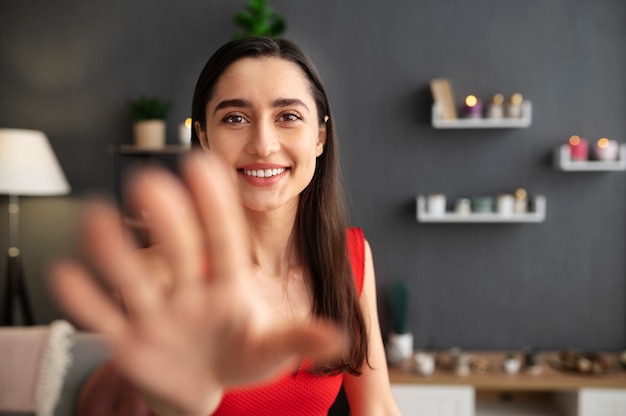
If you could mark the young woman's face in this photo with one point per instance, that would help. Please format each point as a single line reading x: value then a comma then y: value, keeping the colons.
x: 263, y: 121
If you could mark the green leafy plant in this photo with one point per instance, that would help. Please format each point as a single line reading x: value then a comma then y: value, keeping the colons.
x: 399, y: 301
x: 259, y: 19
x: 149, y: 108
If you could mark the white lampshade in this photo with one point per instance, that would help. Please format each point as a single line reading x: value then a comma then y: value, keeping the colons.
x: 28, y: 165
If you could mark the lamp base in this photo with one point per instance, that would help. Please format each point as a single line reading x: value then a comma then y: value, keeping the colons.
x: 16, y: 309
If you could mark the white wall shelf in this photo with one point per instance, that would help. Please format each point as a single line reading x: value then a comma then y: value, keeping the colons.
x: 484, y: 123
x: 537, y: 215
x: 562, y: 161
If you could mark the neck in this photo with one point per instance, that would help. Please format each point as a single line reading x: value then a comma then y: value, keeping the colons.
x: 271, y: 236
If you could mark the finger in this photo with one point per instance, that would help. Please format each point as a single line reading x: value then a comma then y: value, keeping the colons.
x: 219, y: 208
x: 172, y: 223
x: 269, y: 353
x: 115, y: 257
x: 84, y: 301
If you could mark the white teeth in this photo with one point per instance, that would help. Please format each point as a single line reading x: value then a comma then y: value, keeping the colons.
x: 263, y: 173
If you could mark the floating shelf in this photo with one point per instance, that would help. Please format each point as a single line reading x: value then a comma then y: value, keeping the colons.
x: 562, y: 161
x: 538, y: 215
x: 484, y: 123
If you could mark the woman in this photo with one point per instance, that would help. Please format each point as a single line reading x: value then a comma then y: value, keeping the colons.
x: 249, y: 302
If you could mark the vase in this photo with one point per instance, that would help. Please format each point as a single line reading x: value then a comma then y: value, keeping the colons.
x: 149, y: 134
x: 399, y: 348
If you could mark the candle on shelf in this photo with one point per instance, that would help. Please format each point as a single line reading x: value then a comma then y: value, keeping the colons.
x: 578, y: 148
x: 473, y: 107
x: 496, y: 108
x: 514, y: 106
x: 184, y: 132
x: 436, y: 204
x: 520, y: 204
x: 505, y: 204
x: 606, y: 149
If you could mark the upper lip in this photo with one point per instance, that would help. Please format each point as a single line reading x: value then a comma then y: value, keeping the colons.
x: 262, y: 166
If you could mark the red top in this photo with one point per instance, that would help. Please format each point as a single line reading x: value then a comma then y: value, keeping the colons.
x: 302, y: 393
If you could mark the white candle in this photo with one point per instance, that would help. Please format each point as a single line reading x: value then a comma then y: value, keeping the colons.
x: 437, y: 204
x: 184, y: 131
x: 606, y: 149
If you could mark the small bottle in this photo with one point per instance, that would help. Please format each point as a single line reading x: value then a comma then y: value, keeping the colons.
x: 514, y: 106
x: 496, y: 107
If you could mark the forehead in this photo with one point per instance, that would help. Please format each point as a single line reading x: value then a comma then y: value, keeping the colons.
x: 267, y: 76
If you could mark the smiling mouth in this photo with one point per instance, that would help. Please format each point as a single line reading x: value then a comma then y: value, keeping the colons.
x: 263, y: 173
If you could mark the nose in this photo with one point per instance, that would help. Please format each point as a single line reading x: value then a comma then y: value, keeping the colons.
x: 264, y: 139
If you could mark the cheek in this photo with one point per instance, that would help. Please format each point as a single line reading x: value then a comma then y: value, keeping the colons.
x: 222, y: 146
x: 310, y: 161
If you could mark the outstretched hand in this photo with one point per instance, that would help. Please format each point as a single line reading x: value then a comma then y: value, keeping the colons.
x: 181, y: 345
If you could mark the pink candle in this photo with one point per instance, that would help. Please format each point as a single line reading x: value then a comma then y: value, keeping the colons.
x: 473, y: 107
x: 578, y: 148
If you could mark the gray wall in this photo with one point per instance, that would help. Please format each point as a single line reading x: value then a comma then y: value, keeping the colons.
x: 68, y: 68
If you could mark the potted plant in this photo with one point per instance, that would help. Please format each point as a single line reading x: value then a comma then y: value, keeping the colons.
x: 400, y: 341
x: 259, y: 19
x: 148, y: 115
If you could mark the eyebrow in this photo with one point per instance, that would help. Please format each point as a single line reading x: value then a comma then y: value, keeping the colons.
x: 235, y: 102
x: 241, y: 103
x: 286, y: 102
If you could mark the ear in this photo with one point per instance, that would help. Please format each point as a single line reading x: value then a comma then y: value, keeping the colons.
x: 204, y: 142
x: 321, y: 140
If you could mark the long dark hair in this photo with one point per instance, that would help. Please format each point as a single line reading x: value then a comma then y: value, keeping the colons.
x: 321, y: 221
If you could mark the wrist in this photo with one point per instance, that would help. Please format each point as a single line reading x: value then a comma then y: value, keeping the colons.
x: 206, y: 406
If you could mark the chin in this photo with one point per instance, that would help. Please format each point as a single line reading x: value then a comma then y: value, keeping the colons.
x: 270, y: 205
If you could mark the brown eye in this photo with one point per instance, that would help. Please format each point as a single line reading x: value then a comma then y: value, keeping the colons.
x: 290, y: 117
x: 233, y: 119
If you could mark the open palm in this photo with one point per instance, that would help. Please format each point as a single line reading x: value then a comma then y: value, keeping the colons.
x: 183, y: 344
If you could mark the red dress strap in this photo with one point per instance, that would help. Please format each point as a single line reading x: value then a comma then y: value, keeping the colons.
x: 356, y: 249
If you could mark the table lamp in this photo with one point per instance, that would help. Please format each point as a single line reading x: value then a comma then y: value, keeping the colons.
x: 28, y: 167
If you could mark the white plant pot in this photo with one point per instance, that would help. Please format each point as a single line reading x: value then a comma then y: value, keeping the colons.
x: 512, y: 365
x: 149, y: 134
x: 399, y: 348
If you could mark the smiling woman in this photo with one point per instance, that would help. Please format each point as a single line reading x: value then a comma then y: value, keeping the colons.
x: 262, y: 118
x: 285, y: 312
